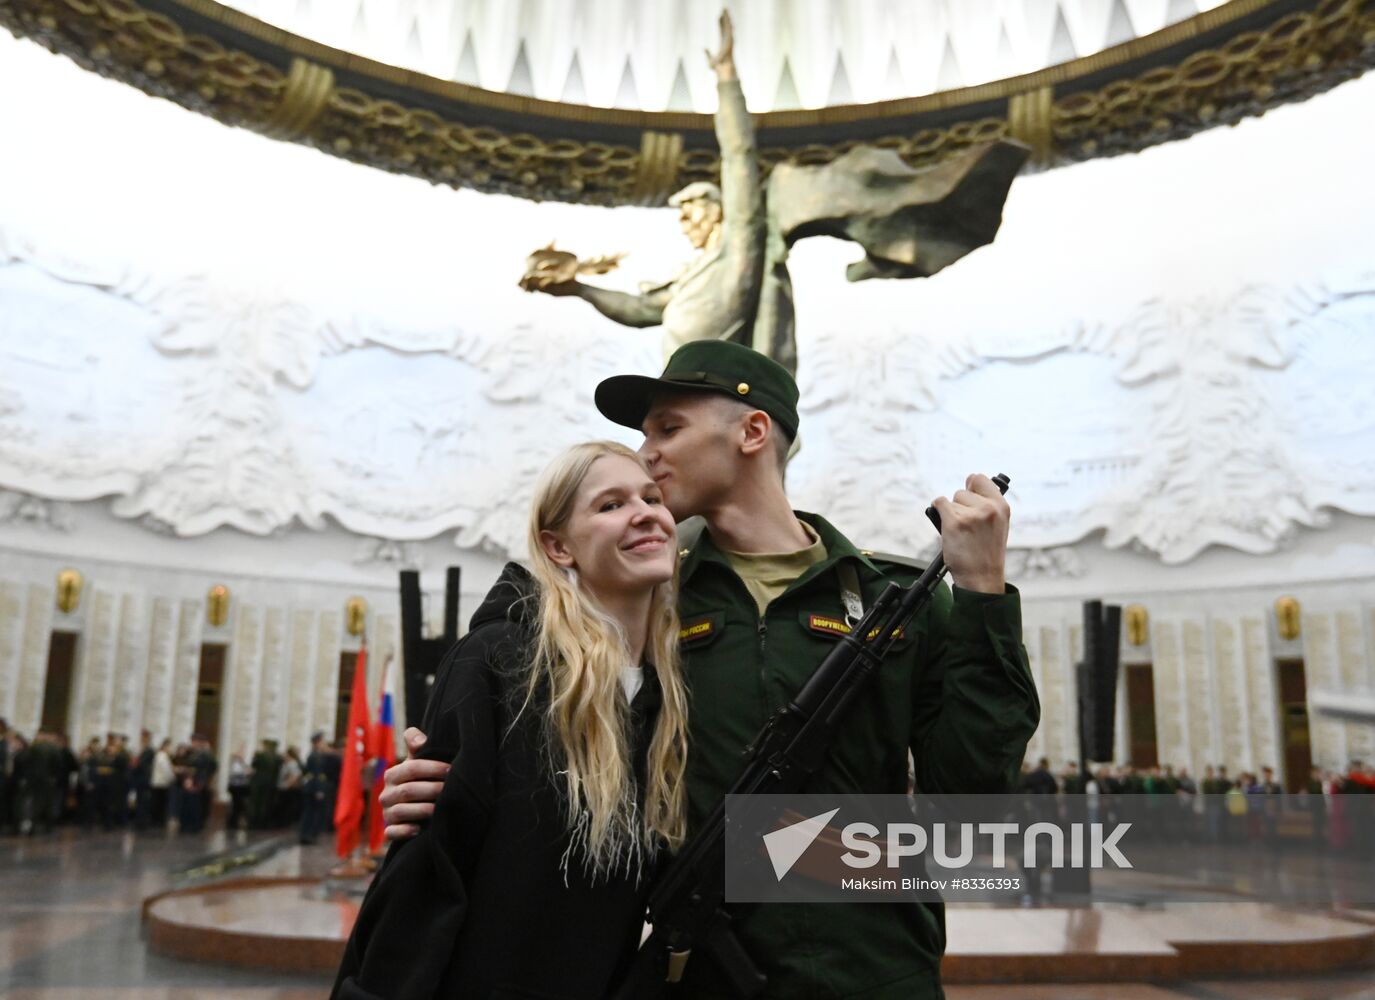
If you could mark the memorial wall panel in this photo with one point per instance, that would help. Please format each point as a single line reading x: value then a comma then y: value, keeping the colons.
x: 275, y: 675
x: 245, y: 669
x: 1036, y: 746
x: 11, y: 644
x: 325, y: 699
x: 1172, y: 745
x: 95, y: 668
x: 131, y: 666
x: 162, y: 659
x: 186, y: 669
x: 1233, y: 711
x: 1323, y: 674
x: 1353, y: 670
x: 1051, y: 642
x: 1260, y: 692
x: 301, y: 690
x: 33, y: 662
x: 1198, y: 695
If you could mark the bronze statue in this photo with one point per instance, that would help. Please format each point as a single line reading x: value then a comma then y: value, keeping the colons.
x: 911, y: 223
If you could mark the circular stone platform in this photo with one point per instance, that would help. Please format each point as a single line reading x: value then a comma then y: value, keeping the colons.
x: 300, y: 925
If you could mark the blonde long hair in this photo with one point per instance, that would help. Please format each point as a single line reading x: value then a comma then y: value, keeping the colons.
x: 579, y: 652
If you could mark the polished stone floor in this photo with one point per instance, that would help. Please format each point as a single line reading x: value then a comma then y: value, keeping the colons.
x: 70, y: 928
x: 70, y: 915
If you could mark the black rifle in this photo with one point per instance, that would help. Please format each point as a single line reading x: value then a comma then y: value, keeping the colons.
x: 687, y: 904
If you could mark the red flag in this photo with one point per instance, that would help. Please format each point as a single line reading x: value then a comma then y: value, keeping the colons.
x: 384, y: 752
x: 348, y: 807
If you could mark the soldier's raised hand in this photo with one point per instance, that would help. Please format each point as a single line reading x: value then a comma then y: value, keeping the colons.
x: 974, y: 526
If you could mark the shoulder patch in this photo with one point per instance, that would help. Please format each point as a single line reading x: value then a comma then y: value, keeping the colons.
x: 827, y: 625
x: 698, y: 628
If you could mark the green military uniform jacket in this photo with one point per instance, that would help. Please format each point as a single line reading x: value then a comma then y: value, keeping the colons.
x: 956, y: 691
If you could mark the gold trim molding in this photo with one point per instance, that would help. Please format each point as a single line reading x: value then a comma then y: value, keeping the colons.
x: 305, y: 94
x: 1235, y: 61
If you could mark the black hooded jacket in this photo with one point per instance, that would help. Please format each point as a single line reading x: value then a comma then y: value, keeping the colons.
x: 479, y: 903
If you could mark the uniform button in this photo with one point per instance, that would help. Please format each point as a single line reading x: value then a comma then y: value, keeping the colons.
x: 743, y: 388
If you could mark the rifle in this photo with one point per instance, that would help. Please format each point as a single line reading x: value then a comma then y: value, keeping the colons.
x: 687, y: 903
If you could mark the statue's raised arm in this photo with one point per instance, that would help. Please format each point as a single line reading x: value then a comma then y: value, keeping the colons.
x: 724, y: 302
x: 910, y: 221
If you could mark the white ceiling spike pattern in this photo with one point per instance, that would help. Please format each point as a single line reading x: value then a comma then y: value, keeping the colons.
x: 648, y: 54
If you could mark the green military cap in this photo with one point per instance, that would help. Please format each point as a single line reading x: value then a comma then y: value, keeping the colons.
x: 719, y: 366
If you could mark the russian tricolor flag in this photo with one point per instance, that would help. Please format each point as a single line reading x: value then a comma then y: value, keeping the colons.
x: 383, y: 752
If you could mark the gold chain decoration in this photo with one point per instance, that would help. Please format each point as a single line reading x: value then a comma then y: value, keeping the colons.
x: 1299, y: 55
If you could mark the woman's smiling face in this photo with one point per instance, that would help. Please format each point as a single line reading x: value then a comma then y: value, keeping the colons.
x: 619, y: 537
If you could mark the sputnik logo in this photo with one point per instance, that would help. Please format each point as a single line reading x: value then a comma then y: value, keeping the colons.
x: 785, y: 846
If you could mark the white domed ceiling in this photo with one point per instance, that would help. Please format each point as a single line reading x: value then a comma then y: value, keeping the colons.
x: 646, y: 55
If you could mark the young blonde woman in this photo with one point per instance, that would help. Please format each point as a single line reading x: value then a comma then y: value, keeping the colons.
x: 564, y: 713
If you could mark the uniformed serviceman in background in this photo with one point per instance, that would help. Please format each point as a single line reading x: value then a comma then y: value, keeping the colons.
x: 764, y: 593
x: 262, y: 786
x: 315, y: 786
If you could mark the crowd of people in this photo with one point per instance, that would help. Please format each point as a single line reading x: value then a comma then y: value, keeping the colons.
x: 46, y: 782
x: 1219, y: 808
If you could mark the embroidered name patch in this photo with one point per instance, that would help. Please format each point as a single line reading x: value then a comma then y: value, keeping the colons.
x: 826, y: 625
x: 699, y: 629
x: 820, y: 623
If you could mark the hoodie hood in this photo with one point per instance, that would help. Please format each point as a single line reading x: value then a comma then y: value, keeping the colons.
x: 512, y: 598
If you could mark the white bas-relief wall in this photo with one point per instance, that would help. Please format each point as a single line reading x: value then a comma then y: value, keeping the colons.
x: 1169, y: 353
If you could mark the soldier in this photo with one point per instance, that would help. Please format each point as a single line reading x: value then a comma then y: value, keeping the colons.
x: 315, y: 783
x: 116, y: 811
x: 334, y: 767
x: 67, y: 802
x: 262, y: 786
x: 198, y: 789
x: 39, y: 773
x: 764, y: 593
x: 141, y: 778
x: 289, y: 789
x: 6, y: 782
x: 89, y: 784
